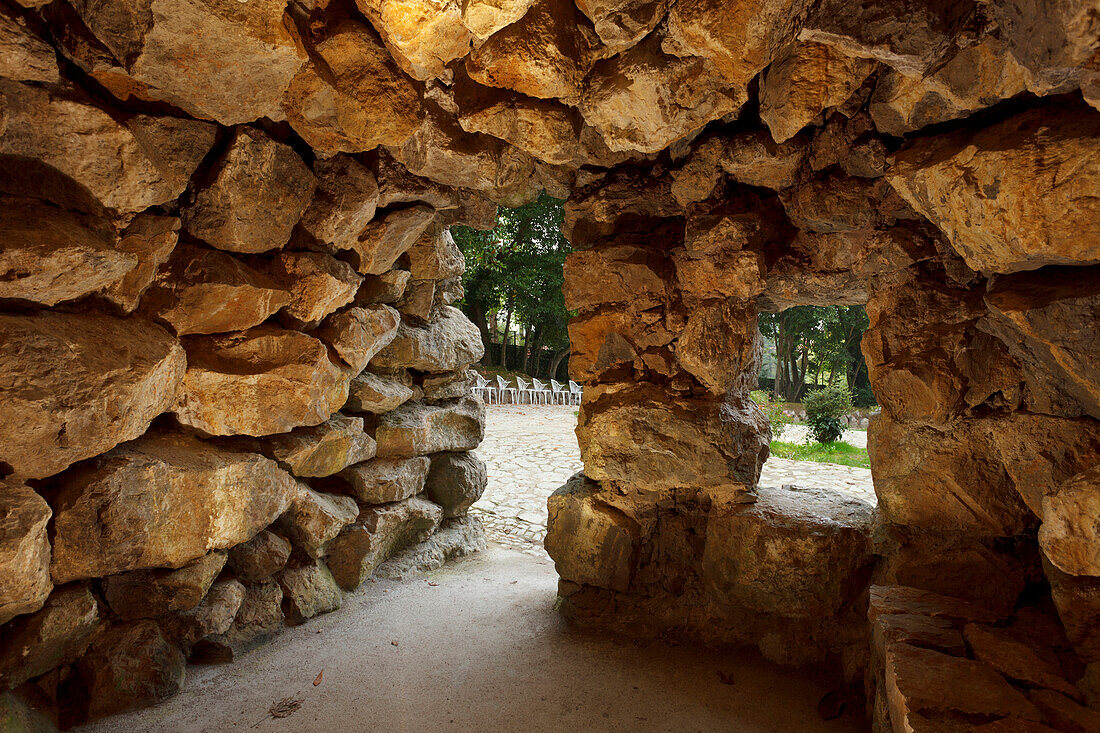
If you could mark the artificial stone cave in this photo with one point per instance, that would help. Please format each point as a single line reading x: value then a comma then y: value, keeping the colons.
x: 233, y: 384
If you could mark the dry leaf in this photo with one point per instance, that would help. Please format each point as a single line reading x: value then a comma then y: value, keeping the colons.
x: 394, y: 643
x: 432, y: 584
x: 284, y: 708
x: 317, y: 679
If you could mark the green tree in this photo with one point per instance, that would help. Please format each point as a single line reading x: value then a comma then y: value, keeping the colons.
x: 513, y: 280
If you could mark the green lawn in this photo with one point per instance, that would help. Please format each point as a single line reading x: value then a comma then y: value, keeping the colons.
x: 837, y: 451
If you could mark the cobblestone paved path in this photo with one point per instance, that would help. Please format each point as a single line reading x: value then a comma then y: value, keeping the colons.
x: 532, y: 450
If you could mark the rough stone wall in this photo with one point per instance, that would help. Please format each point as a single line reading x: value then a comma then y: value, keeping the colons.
x: 232, y: 383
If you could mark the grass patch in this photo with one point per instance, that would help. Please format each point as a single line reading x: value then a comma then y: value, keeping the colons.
x: 844, y: 454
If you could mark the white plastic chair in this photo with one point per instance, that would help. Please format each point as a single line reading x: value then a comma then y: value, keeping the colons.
x: 525, y: 389
x: 504, y: 388
x: 575, y: 392
x: 541, y: 391
x: 483, y: 388
x: 559, y: 392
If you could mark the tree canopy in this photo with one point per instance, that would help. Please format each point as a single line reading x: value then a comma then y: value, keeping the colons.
x: 513, y: 284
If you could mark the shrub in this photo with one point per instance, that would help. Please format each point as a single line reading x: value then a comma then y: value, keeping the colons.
x: 824, y: 409
x: 773, y: 410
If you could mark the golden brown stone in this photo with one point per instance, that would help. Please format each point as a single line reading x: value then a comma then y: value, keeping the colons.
x: 25, y: 561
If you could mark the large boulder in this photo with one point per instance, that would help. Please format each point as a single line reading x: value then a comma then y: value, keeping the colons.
x: 378, y: 393
x: 203, y: 290
x: 797, y: 552
x: 151, y: 238
x: 308, y: 590
x: 385, y: 480
x: 257, y: 192
x: 418, y: 429
x: 54, y: 636
x: 423, y: 36
x: 130, y: 666
x: 259, y: 382
x: 259, y: 616
x: 450, y: 342
x: 259, y: 558
x: 1001, y: 194
x: 384, y: 240
x: 24, y: 550
x: 1069, y: 535
x: 26, y: 56
x: 314, y: 519
x: 213, y: 615
x: 231, y: 67
x: 49, y: 255
x: 72, y: 140
x: 152, y: 593
x: 358, y: 334
x: 456, y: 481
x: 321, y: 450
x: 319, y: 284
x: 343, y: 204
x: 378, y: 533
x: 161, y: 501
x: 107, y: 379
x: 590, y: 542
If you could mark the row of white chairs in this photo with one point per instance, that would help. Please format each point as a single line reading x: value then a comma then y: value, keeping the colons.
x: 535, y: 392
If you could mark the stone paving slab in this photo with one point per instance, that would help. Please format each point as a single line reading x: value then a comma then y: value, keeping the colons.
x: 530, y: 451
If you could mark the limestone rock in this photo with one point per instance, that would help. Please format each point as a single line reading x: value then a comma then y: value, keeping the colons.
x: 318, y: 283
x: 25, y: 560
x: 923, y: 631
x: 151, y: 593
x: 451, y: 342
x: 214, y: 615
x: 358, y: 334
x: 385, y: 480
x: 260, y: 616
x: 640, y: 436
x: 259, y: 382
x: 545, y: 129
x: 627, y: 202
x: 377, y: 534
x: 423, y: 36
x: 375, y: 393
x: 911, y: 36
x: 322, y: 450
x: 923, y: 682
x: 1049, y: 321
x: 82, y: 143
x: 418, y: 301
x: 386, y: 239
x: 309, y: 590
x: 387, y: 288
x: 615, y: 274
x: 835, y: 203
x: 151, y: 239
x: 130, y: 666
x: 1064, y: 713
x: 447, y: 386
x: 54, y: 636
x: 436, y: 257
x: 343, y: 204
x: 456, y: 481
x: 257, y: 192
x: 949, y: 481
x: 314, y: 519
x: 108, y: 378
x: 719, y: 345
x: 260, y: 557
x: 161, y: 501
x: 543, y: 55
x: 396, y: 185
x: 1012, y: 196
x: 755, y: 159
x: 455, y: 538
x: 622, y: 23
x: 203, y: 290
x: 359, y: 101
x: 221, y: 63
x: 899, y: 599
x: 975, y: 78
x: 23, y: 55
x: 48, y: 255
x: 1069, y: 535
x: 797, y: 552
x: 1016, y: 660
x: 1077, y: 599
x: 486, y: 17
x: 643, y: 99
x: 807, y: 79
x: 418, y: 429
x: 589, y: 541
x: 14, y: 710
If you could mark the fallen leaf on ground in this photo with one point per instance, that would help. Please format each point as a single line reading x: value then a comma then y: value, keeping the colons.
x: 394, y: 643
x: 284, y: 708
x: 317, y: 679
x: 432, y: 584
x: 725, y: 678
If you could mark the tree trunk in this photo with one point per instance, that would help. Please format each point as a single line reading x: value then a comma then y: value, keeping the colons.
x: 527, y: 350
x: 556, y: 362
x: 477, y: 315
x: 504, y: 338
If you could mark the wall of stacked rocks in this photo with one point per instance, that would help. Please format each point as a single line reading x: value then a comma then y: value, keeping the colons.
x: 232, y: 379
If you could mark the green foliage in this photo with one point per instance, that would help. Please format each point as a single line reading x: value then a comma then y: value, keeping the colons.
x: 838, y: 452
x: 824, y: 408
x: 773, y: 410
